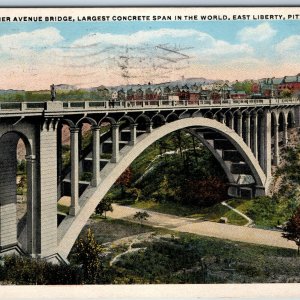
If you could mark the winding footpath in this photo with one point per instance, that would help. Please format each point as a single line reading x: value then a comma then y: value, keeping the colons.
x: 205, y: 228
x: 249, y: 221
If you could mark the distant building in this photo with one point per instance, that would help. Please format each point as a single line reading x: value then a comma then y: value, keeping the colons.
x: 238, y: 95
x: 291, y: 83
x: 121, y: 95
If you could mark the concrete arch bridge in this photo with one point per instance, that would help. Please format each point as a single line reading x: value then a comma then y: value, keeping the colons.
x: 244, y: 136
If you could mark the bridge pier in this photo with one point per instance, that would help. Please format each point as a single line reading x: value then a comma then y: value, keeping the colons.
x: 261, y: 142
x: 285, y: 133
x: 276, y: 145
x: 267, y: 144
x: 133, y: 128
x: 247, y: 129
x: 96, y: 156
x: 74, y: 208
x: 32, y: 205
x: 149, y: 127
x: 254, y: 136
x: 115, y: 143
x: 239, y: 124
x: 46, y: 202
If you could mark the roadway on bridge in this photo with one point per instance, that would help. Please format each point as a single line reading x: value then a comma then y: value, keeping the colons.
x: 205, y: 228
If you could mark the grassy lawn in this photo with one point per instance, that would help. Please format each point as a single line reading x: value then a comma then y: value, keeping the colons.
x: 188, y: 258
x: 108, y: 230
x: 265, y: 211
x: 193, y: 259
x: 213, y: 213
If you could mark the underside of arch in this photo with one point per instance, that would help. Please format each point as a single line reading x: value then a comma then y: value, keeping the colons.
x: 71, y: 226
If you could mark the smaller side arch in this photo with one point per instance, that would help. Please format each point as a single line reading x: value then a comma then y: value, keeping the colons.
x: 91, y: 121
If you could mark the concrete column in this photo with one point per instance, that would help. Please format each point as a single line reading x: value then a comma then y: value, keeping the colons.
x: 32, y: 206
x: 261, y: 142
x: 133, y: 134
x: 59, y: 161
x: 149, y: 127
x: 254, y: 136
x: 231, y: 123
x: 80, y: 139
x: 74, y: 171
x: 222, y: 119
x: 239, y: 125
x: 267, y: 144
x: 115, y: 143
x: 276, y: 145
x: 47, y: 203
x: 96, y: 155
x: 285, y: 133
x: 247, y: 123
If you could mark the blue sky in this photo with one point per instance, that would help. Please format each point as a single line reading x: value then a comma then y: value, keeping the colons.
x: 34, y: 55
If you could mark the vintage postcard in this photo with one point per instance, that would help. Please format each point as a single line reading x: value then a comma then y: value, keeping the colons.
x: 148, y: 148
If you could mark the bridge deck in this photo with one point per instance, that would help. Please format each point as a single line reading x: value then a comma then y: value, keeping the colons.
x: 76, y: 107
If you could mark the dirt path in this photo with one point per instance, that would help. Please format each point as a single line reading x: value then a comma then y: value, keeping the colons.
x: 205, y: 228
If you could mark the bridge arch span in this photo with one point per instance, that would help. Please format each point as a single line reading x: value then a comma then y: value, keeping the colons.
x: 111, y: 120
x: 127, y: 118
x: 72, y: 226
x: 171, y: 117
x: 86, y: 119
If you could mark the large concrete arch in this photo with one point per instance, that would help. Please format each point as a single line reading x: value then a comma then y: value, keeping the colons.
x: 72, y: 226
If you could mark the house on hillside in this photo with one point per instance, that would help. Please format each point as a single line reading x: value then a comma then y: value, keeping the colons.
x: 291, y: 83
x: 138, y: 94
x: 269, y: 87
x: 130, y: 94
x: 121, y: 95
x: 184, y: 93
x: 157, y: 93
x: 149, y: 94
x: 238, y: 95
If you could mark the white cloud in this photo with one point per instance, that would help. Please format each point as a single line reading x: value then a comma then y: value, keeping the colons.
x: 201, y: 42
x: 25, y: 40
x: 139, y: 37
x: 290, y: 46
x: 259, y: 33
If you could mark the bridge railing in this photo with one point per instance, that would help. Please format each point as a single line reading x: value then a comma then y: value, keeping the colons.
x: 132, y: 104
x: 22, y: 106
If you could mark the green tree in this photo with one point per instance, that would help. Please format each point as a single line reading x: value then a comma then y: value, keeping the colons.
x: 292, y: 229
x: 286, y: 93
x: 22, y: 185
x: 21, y: 167
x: 141, y: 216
x: 243, y: 86
x: 89, y: 254
x: 104, y: 206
